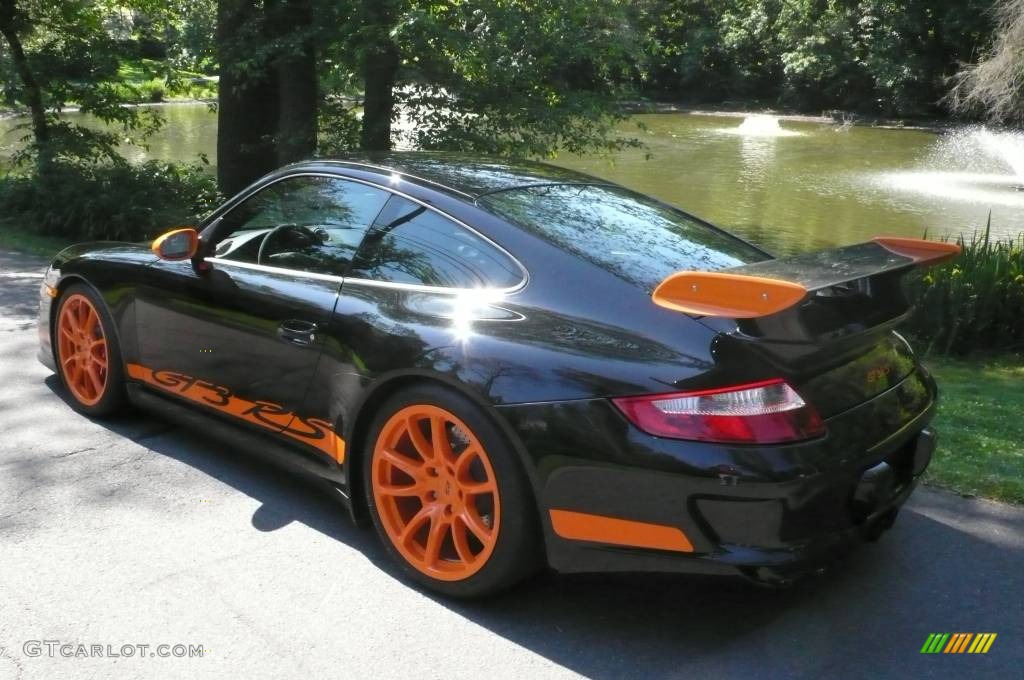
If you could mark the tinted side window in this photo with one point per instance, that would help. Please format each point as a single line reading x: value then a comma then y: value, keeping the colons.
x: 307, y: 223
x: 413, y: 244
x: 632, y: 236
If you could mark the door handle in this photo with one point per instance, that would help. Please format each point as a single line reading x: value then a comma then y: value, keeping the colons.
x: 297, y: 332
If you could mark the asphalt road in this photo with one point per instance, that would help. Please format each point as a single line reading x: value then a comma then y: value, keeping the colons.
x: 135, y: 532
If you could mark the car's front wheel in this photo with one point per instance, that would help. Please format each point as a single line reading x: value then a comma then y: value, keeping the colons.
x: 87, y: 352
x: 447, y: 495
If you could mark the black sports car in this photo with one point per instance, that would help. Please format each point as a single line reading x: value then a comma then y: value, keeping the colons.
x: 503, y: 364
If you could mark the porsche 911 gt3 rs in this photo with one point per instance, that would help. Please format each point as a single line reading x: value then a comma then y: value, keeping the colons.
x: 505, y: 364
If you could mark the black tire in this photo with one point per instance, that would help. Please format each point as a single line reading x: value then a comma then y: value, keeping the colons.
x: 114, y: 398
x: 517, y: 550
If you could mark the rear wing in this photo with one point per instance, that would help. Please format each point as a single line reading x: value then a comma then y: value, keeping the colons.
x: 766, y: 288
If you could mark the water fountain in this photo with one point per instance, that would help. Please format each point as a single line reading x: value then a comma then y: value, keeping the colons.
x: 1007, y: 146
x: 972, y: 165
x: 761, y: 125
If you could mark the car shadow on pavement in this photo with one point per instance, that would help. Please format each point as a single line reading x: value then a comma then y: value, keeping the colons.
x: 925, y: 575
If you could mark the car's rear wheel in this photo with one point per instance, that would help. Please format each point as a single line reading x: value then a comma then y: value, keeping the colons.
x: 447, y: 496
x: 88, y: 355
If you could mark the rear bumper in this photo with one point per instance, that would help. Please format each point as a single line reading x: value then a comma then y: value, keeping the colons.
x: 768, y: 513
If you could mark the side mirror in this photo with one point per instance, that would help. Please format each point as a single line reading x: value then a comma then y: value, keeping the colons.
x: 179, y: 244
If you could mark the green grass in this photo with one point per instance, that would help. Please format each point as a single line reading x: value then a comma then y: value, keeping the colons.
x: 981, y: 428
x: 23, y: 241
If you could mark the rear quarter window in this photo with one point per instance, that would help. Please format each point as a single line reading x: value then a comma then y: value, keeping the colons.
x: 632, y: 236
x: 412, y: 244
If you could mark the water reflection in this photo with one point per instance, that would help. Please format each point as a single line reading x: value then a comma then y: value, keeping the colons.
x: 790, y: 194
x: 817, y: 189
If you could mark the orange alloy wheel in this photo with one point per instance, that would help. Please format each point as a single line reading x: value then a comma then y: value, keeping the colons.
x: 82, y: 349
x: 435, y: 491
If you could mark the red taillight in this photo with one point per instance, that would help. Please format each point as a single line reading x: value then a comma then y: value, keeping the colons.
x: 766, y: 412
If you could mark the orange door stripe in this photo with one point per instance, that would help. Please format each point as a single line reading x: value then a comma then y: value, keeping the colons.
x: 581, y: 526
x: 310, y: 431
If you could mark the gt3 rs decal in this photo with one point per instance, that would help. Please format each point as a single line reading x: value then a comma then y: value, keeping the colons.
x: 310, y: 431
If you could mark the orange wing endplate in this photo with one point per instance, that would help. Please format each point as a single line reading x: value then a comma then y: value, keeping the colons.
x: 919, y: 250
x: 724, y: 294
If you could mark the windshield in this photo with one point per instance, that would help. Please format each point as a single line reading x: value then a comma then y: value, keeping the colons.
x: 629, y: 235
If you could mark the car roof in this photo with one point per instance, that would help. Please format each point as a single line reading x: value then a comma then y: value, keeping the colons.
x: 467, y: 175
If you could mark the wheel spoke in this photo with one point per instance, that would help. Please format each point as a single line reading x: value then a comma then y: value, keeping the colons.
x: 439, y: 527
x: 100, y: 358
x: 423, y: 447
x: 94, y: 379
x: 475, y: 488
x: 415, y: 489
x: 91, y: 322
x: 73, y: 371
x: 80, y: 316
x: 464, y: 460
x: 406, y: 465
x: 66, y: 333
x: 439, y: 439
x: 67, y: 322
x: 461, y: 541
x: 423, y: 515
x: 475, y: 524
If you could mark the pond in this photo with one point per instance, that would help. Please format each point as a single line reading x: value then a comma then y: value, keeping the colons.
x: 786, y: 185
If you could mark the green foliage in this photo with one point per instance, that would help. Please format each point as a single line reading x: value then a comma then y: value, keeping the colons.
x: 514, y: 77
x: 974, y: 304
x: 872, y: 56
x: 995, y: 85
x: 72, y: 56
x: 108, y: 201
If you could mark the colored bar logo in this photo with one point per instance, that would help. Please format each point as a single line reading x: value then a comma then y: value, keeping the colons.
x: 958, y: 643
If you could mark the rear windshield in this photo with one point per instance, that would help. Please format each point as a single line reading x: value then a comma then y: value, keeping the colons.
x: 627, y: 234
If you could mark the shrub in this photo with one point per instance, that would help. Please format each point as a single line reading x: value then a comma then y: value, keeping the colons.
x: 153, y: 91
x: 108, y: 201
x: 974, y: 303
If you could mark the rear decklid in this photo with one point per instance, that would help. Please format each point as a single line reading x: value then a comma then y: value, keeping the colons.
x: 822, y: 319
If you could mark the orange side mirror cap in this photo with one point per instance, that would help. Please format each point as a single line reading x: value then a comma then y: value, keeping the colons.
x: 178, y: 244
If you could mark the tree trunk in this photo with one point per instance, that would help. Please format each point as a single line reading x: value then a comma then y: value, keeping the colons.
x: 380, y: 72
x: 30, y: 86
x: 298, y: 86
x: 247, y: 115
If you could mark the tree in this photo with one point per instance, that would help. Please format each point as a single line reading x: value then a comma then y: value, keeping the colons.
x: 525, y: 77
x: 514, y: 77
x: 268, y: 94
x: 995, y: 85
x: 889, y: 57
x: 12, y: 25
x: 62, y: 54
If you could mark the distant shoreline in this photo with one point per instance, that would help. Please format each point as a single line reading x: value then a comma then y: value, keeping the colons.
x: 16, y: 113
x: 837, y: 118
